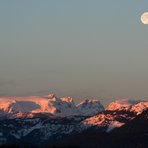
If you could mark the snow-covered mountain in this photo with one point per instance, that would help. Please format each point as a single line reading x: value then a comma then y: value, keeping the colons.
x: 49, y: 118
x: 136, y: 106
x: 117, y: 114
x: 62, y: 107
x: 124, y: 104
x: 134, y: 134
x: 90, y: 107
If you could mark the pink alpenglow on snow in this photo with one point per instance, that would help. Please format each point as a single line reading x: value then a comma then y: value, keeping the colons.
x: 49, y: 104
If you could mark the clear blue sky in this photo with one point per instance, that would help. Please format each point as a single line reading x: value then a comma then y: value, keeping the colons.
x: 79, y: 48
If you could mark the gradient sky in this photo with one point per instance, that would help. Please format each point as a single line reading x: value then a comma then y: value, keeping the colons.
x: 77, y: 48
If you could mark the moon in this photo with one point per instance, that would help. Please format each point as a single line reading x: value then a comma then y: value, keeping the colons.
x: 144, y: 18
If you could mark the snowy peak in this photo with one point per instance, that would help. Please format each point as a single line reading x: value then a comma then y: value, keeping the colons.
x: 64, y: 106
x: 35, y: 104
x: 117, y: 114
x: 25, y: 105
x: 49, y: 104
x: 52, y: 97
x: 124, y: 104
x: 139, y: 107
x: 90, y: 107
x: 136, y: 106
x: 67, y: 99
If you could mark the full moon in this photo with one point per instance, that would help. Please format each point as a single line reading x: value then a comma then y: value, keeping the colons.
x: 144, y: 18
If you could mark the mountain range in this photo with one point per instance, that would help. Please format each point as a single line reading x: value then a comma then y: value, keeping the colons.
x: 54, y: 122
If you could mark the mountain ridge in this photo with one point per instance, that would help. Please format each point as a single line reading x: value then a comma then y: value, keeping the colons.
x: 47, y: 119
x: 49, y: 104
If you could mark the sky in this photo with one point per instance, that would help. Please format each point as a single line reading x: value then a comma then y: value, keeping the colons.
x: 79, y: 48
